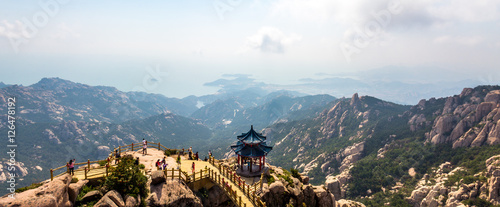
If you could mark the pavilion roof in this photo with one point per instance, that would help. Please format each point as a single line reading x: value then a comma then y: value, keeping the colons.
x: 256, y: 150
x: 251, y: 144
x: 251, y: 137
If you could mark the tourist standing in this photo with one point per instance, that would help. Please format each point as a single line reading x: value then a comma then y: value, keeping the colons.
x: 158, y: 164
x: 117, y: 156
x: 193, y: 167
x: 71, y: 166
x: 144, y: 146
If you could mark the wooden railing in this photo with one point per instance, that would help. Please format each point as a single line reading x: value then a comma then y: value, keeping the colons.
x: 250, y: 191
x: 111, y: 157
x: 138, y: 146
x: 87, y: 169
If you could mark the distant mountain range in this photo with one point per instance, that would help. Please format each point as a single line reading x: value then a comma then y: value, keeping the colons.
x: 322, y: 136
x: 58, y: 120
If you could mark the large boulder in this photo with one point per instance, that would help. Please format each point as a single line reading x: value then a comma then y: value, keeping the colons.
x: 111, y: 199
x: 333, y: 185
x: 152, y: 200
x: 309, y: 195
x: 493, y: 96
x: 173, y: 193
x: 216, y: 197
x: 53, y: 193
x: 418, y: 195
x: 157, y: 177
x: 75, y: 188
x: 349, y: 203
x: 305, y: 179
x: 274, y: 195
x: 484, y: 109
x: 91, y: 196
x: 494, y: 189
x: 131, y: 201
x: 323, y: 197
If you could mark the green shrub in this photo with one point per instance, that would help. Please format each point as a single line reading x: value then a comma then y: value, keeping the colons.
x: 270, y: 180
x: 141, y: 166
x: 169, y: 152
x: 127, y: 178
x: 203, y: 192
x: 295, y: 173
x: 85, y: 190
x: 477, y: 202
x: 32, y: 186
x: 287, y: 178
x: 74, y: 180
x: 102, y: 163
x: 456, y: 177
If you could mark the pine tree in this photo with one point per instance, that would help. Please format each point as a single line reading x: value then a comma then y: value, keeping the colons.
x: 127, y: 178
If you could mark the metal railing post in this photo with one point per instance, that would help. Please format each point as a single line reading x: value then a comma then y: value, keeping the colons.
x: 51, y: 174
x: 132, y: 146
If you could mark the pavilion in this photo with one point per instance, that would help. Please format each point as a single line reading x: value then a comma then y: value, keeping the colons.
x: 250, y: 147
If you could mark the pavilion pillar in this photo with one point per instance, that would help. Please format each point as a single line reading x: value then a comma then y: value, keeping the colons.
x: 260, y: 163
x: 251, y: 161
x: 239, y: 160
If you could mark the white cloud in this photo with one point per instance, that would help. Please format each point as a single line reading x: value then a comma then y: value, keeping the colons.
x: 12, y: 30
x: 414, y: 13
x: 470, y: 41
x: 270, y: 39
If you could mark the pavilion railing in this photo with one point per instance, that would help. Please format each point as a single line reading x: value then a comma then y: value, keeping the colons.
x: 249, y: 190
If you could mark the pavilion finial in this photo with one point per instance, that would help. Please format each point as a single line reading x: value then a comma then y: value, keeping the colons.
x: 251, y: 126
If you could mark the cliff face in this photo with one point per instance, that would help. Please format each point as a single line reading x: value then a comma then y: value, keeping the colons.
x: 441, y: 188
x: 468, y: 119
x: 338, y: 136
x: 281, y: 188
x: 330, y: 144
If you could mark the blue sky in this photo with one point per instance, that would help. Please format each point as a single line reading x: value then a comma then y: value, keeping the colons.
x: 174, y: 47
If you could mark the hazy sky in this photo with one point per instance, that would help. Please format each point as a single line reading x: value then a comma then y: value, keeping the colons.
x: 174, y: 47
